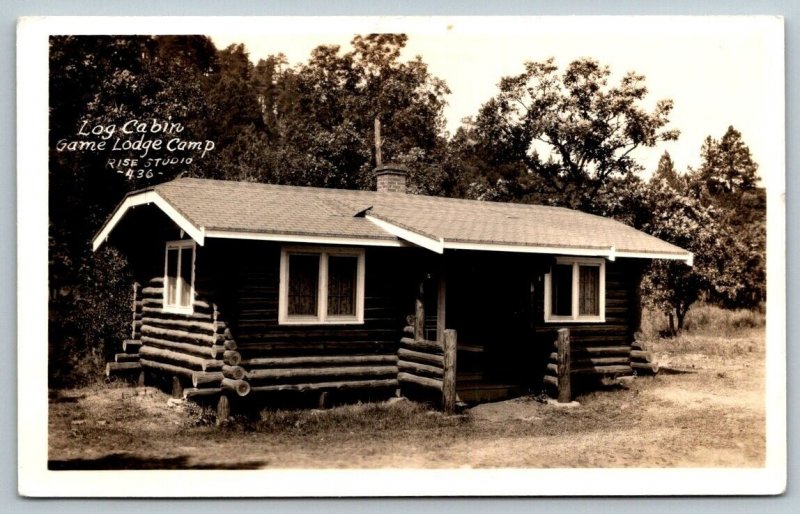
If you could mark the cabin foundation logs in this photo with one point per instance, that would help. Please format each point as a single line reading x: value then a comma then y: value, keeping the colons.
x: 569, y: 360
x: 642, y: 360
x: 321, y: 373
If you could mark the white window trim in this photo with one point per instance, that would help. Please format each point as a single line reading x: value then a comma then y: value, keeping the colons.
x: 549, y: 317
x: 179, y: 245
x: 322, y: 294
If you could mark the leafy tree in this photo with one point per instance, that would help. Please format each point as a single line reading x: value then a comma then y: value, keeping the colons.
x: 666, y: 171
x: 717, y: 213
x: 235, y: 120
x: 679, y: 218
x: 326, y: 108
x: 727, y: 179
x: 573, y: 131
x: 727, y: 166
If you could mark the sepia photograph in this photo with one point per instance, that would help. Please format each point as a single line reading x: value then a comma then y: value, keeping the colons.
x: 503, y: 251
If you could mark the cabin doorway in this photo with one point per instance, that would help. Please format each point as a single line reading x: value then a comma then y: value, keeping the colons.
x: 489, y: 304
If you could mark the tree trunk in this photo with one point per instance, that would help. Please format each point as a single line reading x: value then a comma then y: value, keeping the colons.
x: 681, y: 317
x: 672, y: 324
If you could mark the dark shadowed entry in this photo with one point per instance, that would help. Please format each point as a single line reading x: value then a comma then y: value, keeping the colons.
x: 489, y: 304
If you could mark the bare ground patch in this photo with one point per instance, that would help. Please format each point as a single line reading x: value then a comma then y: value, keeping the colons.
x: 704, y: 409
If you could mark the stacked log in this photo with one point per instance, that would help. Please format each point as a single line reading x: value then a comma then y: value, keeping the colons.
x: 136, y: 311
x: 321, y: 372
x: 611, y: 361
x: 127, y: 362
x: 119, y: 368
x: 420, y: 362
x: 196, y: 349
x: 428, y: 365
x: 642, y: 360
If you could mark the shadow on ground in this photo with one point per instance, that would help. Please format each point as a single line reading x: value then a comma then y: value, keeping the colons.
x: 130, y: 461
x: 674, y: 371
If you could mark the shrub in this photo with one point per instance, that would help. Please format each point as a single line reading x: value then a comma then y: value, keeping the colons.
x: 704, y: 318
x: 710, y: 319
x: 88, y: 322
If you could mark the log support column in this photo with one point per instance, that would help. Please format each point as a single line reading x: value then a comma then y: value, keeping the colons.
x: 177, y: 387
x: 441, y: 304
x: 449, y: 378
x: 563, y: 365
x: 419, y: 317
x: 223, y: 408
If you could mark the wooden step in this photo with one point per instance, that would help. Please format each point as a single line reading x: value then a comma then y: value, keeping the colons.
x: 603, y: 349
x: 120, y: 368
x: 471, y: 348
x: 621, y: 369
x: 469, y: 376
x: 485, y: 392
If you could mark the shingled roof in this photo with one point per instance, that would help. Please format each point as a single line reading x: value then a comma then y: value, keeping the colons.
x: 224, y: 209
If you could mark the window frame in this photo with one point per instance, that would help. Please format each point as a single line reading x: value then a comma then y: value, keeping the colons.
x: 576, y: 317
x: 179, y: 245
x: 322, y: 317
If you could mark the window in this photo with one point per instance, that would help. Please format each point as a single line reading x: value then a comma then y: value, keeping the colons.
x: 574, y: 290
x: 179, y: 276
x: 321, y: 285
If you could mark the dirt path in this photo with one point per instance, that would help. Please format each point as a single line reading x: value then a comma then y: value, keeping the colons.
x: 699, y: 411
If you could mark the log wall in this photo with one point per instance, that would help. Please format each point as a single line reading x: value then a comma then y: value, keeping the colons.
x: 243, y: 278
x: 198, y: 348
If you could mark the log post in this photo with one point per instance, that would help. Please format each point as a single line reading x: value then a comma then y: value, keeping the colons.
x: 135, y: 309
x: 563, y: 358
x: 177, y: 387
x: 419, y: 320
x: 449, y: 378
x: 441, y: 304
x: 223, y: 408
x: 636, y: 302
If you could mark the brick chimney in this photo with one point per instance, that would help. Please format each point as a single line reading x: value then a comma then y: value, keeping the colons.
x: 391, y: 178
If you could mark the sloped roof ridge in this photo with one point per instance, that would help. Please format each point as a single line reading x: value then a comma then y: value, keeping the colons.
x: 327, y: 191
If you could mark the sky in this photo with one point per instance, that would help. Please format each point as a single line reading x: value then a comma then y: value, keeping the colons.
x: 719, y: 71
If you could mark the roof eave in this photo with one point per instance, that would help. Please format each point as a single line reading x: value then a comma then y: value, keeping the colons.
x: 145, y: 198
x: 609, y: 252
x: 303, y: 238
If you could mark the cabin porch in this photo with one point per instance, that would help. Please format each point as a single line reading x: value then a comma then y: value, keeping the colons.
x: 494, y: 304
x: 486, y: 299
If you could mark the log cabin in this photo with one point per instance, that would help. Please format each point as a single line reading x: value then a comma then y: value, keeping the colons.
x: 255, y: 290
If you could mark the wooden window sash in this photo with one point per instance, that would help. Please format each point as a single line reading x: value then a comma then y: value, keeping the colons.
x: 575, y: 316
x: 322, y: 317
x: 177, y: 305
